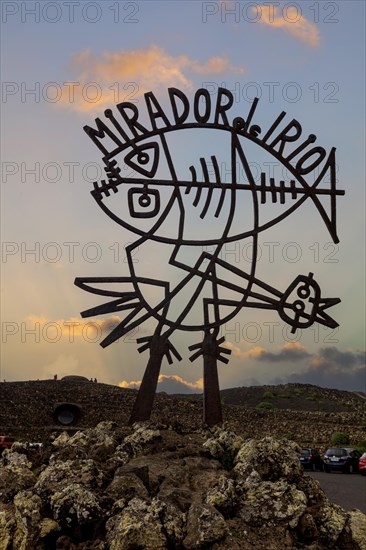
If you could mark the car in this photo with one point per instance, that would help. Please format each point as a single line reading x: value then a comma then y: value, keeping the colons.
x: 362, y: 464
x: 6, y: 442
x: 310, y: 459
x: 343, y: 459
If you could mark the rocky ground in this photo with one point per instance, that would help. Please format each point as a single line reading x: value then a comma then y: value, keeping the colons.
x: 154, y: 486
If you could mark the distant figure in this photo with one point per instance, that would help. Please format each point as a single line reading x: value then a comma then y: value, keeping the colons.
x: 55, y: 376
x: 95, y: 380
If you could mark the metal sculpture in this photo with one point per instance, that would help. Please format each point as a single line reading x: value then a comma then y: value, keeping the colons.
x: 158, y: 205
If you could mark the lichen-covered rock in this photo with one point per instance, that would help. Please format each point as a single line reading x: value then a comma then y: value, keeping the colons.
x: 223, y: 496
x: 272, y: 458
x: 331, y: 522
x: 358, y: 528
x: 61, y: 441
x: 307, y: 528
x: 74, y: 506
x: 137, y: 526
x: 126, y: 487
x: 121, y: 456
x: 213, y: 446
x: 7, y: 525
x: 133, y: 444
x: 48, y: 526
x: 173, y: 521
x: 75, y: 446
x: 314, y: 493
x: 27, y: 517
x: 14, y: 479
x: 156, y: 488
x: 17, y: 447
x: 270, y: 502
x: 15, y: 459
x: 97, y: 443
x: 224, y: 446
x: 61, y: 474
x: 205, y: 526
x: 142, y: 434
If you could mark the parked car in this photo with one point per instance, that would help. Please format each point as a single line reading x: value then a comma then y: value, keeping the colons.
x: 310, y: 459
x: 344, y: 459
x: 6, y: 442
x: 362, y: 464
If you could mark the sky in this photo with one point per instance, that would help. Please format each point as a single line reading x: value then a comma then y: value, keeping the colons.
x: 63, y: 64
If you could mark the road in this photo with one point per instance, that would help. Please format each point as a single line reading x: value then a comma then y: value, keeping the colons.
x: 347, y: 490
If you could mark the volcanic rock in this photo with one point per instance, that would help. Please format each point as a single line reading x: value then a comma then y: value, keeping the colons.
x: 155, y: 487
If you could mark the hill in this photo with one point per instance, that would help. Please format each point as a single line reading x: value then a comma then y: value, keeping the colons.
x: 307, y: 414
x: 295, y: 397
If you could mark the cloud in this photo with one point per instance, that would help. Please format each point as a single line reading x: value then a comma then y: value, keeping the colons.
x: 328, y: 367
x: 289, y: 20
x: 214, y: 66
x: 291, y: 351
x: 126, y: 75
x: 132, y: 384
x: 257, y: 352
x: 89, y: 330
x: 328, y: 357
x: 333, y: 368
x: 169, y: 384
x: 235, y: 350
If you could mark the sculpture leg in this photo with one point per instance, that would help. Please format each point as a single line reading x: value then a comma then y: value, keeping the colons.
x: 212, y: 413
x: 159, y: 345
x: 145, y: 398
x: 212, y: 352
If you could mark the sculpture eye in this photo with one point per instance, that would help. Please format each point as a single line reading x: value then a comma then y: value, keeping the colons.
x: 143, y: 202
x: 144, y: 159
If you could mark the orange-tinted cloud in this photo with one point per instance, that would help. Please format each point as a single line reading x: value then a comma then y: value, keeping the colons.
x: 169, y: 384
x: 125, y: 76
x: 236, y: 351
x: 289, y: 20
x: 89, y: 330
